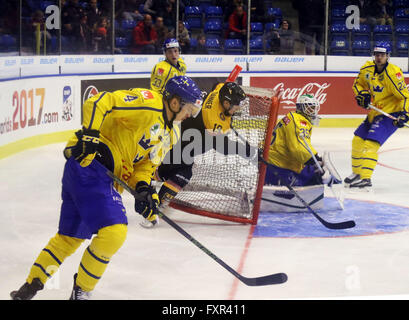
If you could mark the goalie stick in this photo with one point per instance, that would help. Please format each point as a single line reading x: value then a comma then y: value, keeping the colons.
x: 276, y: 278
x: 330, y: 184
x: 330, y: 225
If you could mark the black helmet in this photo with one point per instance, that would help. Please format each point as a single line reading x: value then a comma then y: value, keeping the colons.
x: 231, y: 92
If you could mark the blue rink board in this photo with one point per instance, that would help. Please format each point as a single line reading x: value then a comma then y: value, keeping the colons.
x: 370, y: 218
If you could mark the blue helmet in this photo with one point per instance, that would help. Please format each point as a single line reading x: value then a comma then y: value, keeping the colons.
x: 382, y: 46
x: 170, y: 43
x: 185, y: 88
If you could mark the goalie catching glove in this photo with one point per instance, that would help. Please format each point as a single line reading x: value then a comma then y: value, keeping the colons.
x: 147, y: 202
x: 85, y: 149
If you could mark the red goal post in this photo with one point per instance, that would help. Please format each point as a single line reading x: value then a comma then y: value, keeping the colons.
x: 230, y: 187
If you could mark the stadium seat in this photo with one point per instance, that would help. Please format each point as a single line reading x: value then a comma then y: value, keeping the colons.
x: 382, y: 33
x: 256, y: 46
x: 256, y: 29
x: 45, y: 4
x: 204, y: 4
x: 402, y: 29
x: 402, y: 46
x: 271, y: 25
x: 339, y: 45
x: 213, y: 46
x: 9, y: 43
x: 193, y: 43
x: 339, y: 29
x: 361, y: 47
x: 338, y: 15
x: 213, y: 27
x: 274, y: 12
x: 214, y: 12
x: 364, y: 29
x: 128, y: 24
x: 400, y: 4
x: 233, y: 46
x: 401, y: 16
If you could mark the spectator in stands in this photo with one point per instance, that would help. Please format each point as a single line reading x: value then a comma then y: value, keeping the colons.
x: 85, y: 43
x: 129, y: 10
x: 201, y: 45
x: 364, y: 7
x: 287, y: 37
x: 162, y: 33
x: 71, y: 14
x: 154, y: 7
x: 101, y: 36
x: 381, y: 12
x: 38, y: 32
x: 183, y: 37
x: 144, y: 37
x: 93, y: 13
x: 169, y: 16
x: 238, y: 24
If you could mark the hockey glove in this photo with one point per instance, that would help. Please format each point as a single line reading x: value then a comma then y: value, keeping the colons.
x: 146, y: 201
x: 401, y: 120
x: 85, y: 149
x: 363, y: 99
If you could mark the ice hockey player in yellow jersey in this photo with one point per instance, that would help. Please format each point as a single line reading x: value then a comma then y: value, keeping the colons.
x: 291, y: 162
x: 172, y: 66
x: 213, y: 121
x: 381, y: 83
x: 127, y: 132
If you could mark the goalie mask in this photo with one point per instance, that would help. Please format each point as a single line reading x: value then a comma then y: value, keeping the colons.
x: 308, y: 106
x: 232, y: 93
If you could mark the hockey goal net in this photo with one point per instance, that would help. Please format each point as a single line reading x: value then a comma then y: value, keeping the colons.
x: 230, y: 187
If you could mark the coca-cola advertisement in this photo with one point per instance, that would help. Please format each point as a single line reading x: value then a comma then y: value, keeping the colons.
x: 334, y: 93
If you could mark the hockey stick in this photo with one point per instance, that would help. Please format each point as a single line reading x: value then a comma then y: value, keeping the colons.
x: 276, y: 278
x: 329, y: 225
x: 385, y: 114
x: 340, y: 202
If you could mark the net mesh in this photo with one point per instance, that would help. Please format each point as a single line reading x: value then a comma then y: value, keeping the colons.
x: 226, y: 185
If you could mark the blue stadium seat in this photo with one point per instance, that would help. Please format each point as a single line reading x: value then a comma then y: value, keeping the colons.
x: 193, y: 43
x: 361, y: 47
x: 256, y: 29
x: 213, y: 46
x: 338, y: 15
x: 193, y: 12
x: 128, y: 24
x: 214, y: 12
x: 339, y: 45
x: 256, y: 46
x: 276, y: 12
x: 233, y: 46
x: 204, y: 4
x: 402, y: 29
x: 382, y: 33
x: 402, y: 46
x: 213, y: 27
x: 45, y: 4
x: 400, y: 4
x: 9, y: 43
x: 364, y: 29
x: 271, y: 25
x: 401, y: 16
x: 339, y: 29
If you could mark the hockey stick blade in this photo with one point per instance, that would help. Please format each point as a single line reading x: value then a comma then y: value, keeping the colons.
x: 330, y: 225
x: 276, y: 278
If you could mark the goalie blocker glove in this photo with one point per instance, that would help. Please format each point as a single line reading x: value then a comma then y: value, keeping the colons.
x: 401, y: 120
x: 85, y: 149
x: 146, y: 202
x: 363, y: 99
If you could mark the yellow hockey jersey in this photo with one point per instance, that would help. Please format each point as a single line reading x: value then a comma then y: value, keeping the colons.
x: 388, y: 88
x: 287, y: 148
x: 133, y: 125
x: 163, y: 71
x: 214, y: 119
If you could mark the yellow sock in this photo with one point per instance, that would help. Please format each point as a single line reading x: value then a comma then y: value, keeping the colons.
x: 369, y: 158
x: 356, y: 154
x: 52, y: 256
x: 98, y: 254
